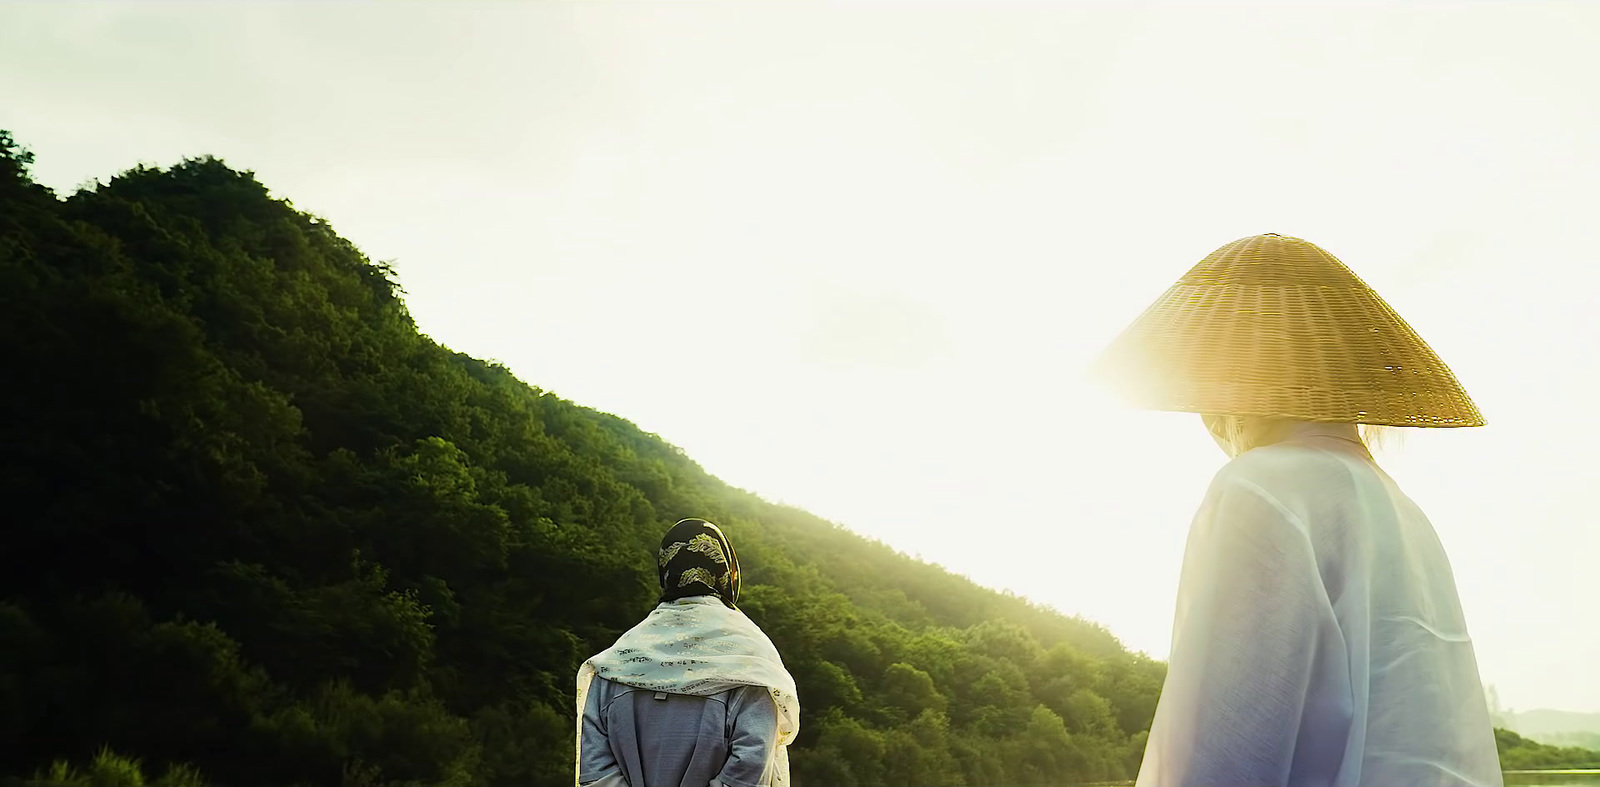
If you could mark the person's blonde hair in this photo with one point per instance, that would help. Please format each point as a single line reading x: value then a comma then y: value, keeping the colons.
x: 1377, y: 437
x: 1241, y: 433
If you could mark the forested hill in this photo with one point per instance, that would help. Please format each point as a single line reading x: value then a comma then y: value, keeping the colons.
x: 258, y: 523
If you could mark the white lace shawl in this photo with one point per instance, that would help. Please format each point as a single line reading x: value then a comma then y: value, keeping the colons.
x: 700, y: 647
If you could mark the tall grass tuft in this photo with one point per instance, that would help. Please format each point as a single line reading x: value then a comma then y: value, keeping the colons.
x: 109, y: 769
x: 180, y: 775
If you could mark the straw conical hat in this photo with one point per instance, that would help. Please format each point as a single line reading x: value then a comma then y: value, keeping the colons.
x: 1275, y: 326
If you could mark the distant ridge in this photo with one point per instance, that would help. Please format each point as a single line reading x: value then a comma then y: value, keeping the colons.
x: 262, y: 531
x: 1555, y: 727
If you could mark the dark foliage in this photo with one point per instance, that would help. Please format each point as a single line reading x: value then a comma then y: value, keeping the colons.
x: 1519, y: 753
x: 261, y: 525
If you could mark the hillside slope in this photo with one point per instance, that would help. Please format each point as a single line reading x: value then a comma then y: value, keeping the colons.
x: 1560, y: 728
x: 259, y: 523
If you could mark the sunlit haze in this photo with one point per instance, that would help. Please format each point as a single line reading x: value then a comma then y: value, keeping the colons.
x: 857, y: 257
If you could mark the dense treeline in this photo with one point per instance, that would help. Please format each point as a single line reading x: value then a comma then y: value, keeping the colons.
x: 1556, y: 728
x: 259, y: 524
x: 1519, y: 753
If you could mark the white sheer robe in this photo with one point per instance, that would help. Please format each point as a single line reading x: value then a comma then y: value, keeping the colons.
x: 1318, y: 639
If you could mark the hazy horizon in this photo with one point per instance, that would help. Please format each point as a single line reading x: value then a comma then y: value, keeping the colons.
x: 856, y: 257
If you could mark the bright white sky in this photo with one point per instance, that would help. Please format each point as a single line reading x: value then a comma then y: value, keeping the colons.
x: 856, y: 257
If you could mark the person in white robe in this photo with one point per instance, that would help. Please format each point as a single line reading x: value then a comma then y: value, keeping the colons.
x: 1318, y: 637
x: 695, y: 695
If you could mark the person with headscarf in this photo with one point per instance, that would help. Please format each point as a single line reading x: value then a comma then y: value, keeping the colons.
x: 695, y: 695
x: 1318, y: 638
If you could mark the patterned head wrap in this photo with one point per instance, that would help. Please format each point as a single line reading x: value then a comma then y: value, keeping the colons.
x: 697, y: 560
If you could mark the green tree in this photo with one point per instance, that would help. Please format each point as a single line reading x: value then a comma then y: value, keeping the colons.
x: 262, y: 528
x: 911, y: 691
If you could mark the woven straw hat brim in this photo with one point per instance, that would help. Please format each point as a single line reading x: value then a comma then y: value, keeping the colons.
x: 1274, y: 326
